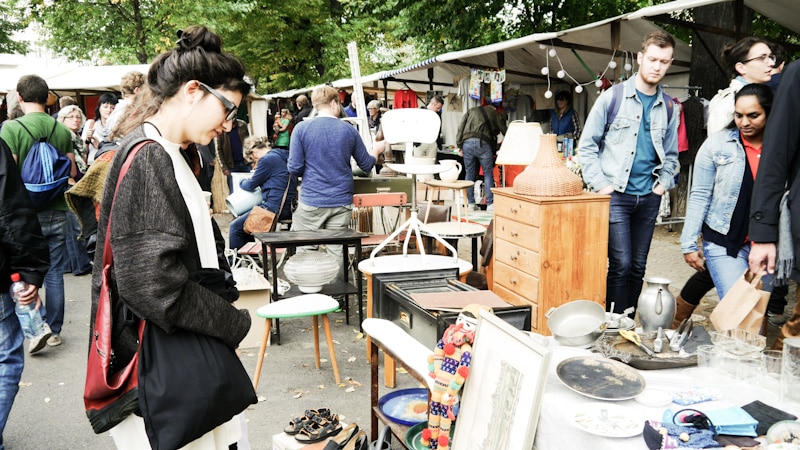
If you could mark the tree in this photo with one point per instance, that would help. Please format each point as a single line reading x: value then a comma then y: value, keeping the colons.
x: 118, y: 31
x: 7, y: 29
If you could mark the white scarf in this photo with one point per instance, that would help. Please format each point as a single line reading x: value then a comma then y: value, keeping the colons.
x: 194, y: 199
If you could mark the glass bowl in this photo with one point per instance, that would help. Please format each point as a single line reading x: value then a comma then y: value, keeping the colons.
x: 738, y: 342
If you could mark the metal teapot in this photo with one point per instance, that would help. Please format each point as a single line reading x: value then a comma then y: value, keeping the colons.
x: 656, y: 305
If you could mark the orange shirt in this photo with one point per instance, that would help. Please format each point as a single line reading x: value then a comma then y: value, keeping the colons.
x: 753, y: 155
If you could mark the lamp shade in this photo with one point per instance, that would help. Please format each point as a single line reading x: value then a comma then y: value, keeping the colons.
x: 547, y: 175
x: 520, y: 143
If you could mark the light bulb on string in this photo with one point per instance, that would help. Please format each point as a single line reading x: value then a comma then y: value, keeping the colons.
x: 578, y: 89
x: 545, y: 70
x: 542, y: 46
x: 598, y: 83
x: 612, y: 64
x: 552, y: 53
x: 560, y: 74
x: 628, y: 67
x: 548, y: 93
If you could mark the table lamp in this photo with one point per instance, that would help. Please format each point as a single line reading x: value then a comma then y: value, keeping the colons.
x: 519, y: 145
x: 548, y: 175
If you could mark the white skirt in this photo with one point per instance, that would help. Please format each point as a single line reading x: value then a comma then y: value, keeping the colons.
x: 131, y: 435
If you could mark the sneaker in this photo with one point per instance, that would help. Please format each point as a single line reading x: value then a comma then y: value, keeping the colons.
x: 39, y: 342
x: 776, y: 320
x: 474, y: 207
x: 54, y: 341
x: 490, y: 207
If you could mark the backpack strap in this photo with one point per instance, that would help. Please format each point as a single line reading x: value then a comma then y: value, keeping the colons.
x: 616, y: 98
x: 43, y: 138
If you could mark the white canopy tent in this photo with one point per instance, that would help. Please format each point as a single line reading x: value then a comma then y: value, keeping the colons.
x: 583, y: 52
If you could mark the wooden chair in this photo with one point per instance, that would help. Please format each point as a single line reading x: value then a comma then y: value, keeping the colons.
x: 364, y: 211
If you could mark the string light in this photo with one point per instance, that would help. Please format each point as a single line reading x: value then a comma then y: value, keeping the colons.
x: 562, y: 72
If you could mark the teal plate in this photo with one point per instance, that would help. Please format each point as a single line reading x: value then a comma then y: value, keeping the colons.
x: 414, y: 436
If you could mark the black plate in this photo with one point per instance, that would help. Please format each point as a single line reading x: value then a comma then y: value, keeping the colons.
x: 600, y: 378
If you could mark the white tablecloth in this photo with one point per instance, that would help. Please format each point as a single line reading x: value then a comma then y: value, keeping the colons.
x: 554, y: 432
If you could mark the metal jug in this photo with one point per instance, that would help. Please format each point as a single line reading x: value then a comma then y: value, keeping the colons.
x: 656, y: 305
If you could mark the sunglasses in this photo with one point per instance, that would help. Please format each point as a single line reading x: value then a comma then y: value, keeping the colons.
x: 229, y: 106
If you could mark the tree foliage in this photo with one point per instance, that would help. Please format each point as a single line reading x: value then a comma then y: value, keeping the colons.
x: 7, y: 29
x: 118, y: 31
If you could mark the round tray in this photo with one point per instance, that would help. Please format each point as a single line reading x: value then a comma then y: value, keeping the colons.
x: 406, y: 406
x: 600, y: 378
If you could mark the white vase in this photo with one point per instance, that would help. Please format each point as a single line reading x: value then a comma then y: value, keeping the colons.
x: 311, y: 270
x: 452, y: 173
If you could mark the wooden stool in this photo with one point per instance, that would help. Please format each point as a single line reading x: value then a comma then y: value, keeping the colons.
x: 314, y: 305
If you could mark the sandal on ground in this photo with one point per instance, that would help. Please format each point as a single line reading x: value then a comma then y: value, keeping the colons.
x: 340, y: 441
x: 296, y: 424
x: 318, y: 429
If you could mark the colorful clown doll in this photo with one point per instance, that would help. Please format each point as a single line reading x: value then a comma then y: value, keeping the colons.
x: 449, y: 367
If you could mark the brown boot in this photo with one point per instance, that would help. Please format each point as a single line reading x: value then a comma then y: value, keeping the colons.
x: 683, y: 310
x: 790, y: 329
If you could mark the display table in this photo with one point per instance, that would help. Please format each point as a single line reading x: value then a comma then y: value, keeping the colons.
x: 398, y: 264
x: 453, y: 231
x: 555, y: 430
x: 292, y: 239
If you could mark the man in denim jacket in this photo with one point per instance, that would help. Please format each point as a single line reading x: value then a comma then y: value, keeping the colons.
x: 634, y: 160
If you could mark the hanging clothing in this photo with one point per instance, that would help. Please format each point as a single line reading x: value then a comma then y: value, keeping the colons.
x: 405, y: 98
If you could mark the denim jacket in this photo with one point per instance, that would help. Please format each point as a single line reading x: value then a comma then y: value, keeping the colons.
x: 607, y: 160
x: 718, y: 172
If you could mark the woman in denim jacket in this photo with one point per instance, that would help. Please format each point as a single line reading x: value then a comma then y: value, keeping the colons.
x: 719, y: 204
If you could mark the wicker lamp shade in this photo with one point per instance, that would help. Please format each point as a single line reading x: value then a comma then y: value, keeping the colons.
x: 548, y: 176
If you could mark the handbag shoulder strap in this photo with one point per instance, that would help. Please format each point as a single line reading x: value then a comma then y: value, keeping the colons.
x: 108, y: 257
x: 283, y: 201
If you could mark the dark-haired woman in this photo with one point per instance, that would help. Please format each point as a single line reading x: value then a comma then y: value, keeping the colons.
x: 161, y: 232
x: 749, y: 60
x: 719, y: 203
x: 97, y: 130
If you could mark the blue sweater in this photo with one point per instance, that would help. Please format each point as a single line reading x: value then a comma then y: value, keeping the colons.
x: 271, y: 175
x: 320, y: 152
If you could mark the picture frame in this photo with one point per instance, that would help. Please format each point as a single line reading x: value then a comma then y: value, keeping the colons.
x: 502, y: 396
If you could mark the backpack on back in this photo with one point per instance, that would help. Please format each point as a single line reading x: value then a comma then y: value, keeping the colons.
x: 45, y: 171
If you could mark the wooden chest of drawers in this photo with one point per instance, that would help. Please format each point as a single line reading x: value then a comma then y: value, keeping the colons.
x: 549, y: 250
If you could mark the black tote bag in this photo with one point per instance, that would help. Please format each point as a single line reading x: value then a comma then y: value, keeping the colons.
x: 189, y: 383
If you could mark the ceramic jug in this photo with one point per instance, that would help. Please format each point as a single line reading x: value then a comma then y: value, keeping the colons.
x: 656, y: 305
x: 452, y: 173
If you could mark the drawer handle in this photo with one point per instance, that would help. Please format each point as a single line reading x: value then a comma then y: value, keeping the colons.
x: 512, y: 280
x: 513, y: 257
x: 514, y: 234
x: 514, y: 210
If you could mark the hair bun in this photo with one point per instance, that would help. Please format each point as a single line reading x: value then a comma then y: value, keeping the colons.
x: 198, y: 36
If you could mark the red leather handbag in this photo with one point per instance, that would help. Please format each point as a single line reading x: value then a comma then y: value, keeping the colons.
x: 110, y: 397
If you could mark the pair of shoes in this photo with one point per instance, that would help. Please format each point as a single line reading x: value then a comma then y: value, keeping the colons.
x: 296, y: 424
x: 776, y: 320
x: 318, y: 429
x: 39, y: 342
x: 344, y: 440
x: 54, y: 340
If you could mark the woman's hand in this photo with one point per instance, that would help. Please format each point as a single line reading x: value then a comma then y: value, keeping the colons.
x: 695, y: 260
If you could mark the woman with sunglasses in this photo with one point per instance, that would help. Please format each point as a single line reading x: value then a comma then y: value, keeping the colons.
x: 719, y: 204
x: 161, y: 233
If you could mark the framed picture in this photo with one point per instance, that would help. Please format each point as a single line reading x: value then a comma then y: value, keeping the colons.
x: 502, y: 397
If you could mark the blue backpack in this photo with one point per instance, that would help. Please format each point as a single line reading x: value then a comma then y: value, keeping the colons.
x: 45, y: 171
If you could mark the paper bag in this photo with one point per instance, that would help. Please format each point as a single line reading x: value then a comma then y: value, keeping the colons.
x: 743, y: 306
x: 260, y: 220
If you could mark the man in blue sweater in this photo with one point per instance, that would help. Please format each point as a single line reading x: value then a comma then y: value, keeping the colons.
x: 319, y: 153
